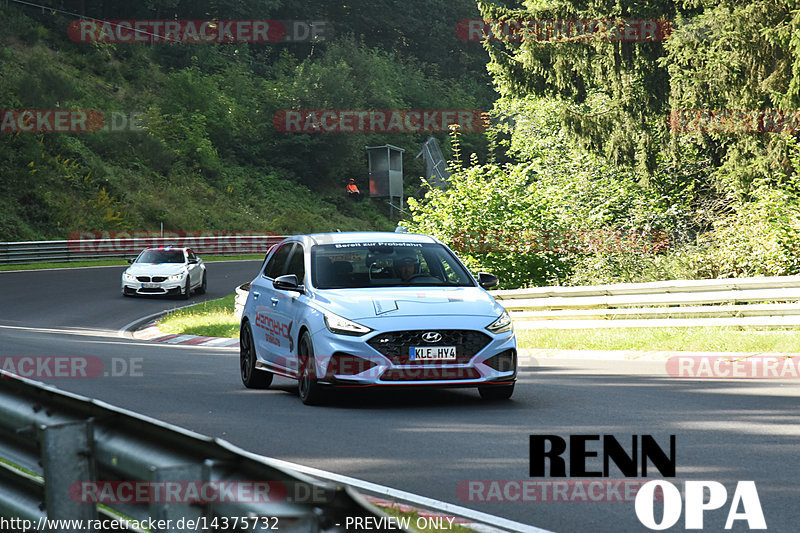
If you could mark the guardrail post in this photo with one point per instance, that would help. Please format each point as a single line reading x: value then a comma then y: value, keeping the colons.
x: 67, y: 459
x: 164, y: 509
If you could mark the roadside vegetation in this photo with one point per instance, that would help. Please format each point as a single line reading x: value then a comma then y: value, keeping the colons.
x: 599, y: 165
x: 701, y: 339
x: 213, y: 318
x: 605, y: 165
x: 201, y: 152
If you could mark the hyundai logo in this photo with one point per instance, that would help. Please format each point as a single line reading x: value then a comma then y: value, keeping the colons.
x: 432, y: 336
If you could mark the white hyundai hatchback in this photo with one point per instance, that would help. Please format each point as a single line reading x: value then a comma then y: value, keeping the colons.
x: 165, y: 271
x: 374, y: 310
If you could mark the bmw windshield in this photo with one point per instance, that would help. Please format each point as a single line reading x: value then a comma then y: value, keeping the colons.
x: 366, y: 265
x: 161, y: 256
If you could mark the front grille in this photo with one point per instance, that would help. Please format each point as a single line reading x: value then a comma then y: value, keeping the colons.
x: 159, y: 279
x: 430, y: 374
x: 395, y: 344
x: 143, y: 278
x: 152, y: 290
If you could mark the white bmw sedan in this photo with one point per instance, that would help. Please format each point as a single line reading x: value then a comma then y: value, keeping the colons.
x: 165, y: 271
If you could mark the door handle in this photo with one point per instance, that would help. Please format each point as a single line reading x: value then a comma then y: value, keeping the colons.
x: 274, y: 301
x: 256, y: 294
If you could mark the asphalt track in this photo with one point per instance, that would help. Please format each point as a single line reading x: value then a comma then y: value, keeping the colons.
x: 426, y: 442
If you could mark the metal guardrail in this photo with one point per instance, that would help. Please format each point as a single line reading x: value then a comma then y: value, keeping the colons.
x: 56, y: 442
x: 96, y: 249
x: 762, y: 301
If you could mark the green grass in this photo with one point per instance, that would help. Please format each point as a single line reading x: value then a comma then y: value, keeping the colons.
x: 117, y: 262
x: 215, y: 319
x: 209, y: 319
x: 701, y: 339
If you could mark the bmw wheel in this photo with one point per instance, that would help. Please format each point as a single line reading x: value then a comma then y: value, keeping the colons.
x: 252, y: 377
x: 187, y: 290
x: 308, y: 387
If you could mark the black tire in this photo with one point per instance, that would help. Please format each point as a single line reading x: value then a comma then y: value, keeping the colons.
x: 496, y: 392
x: 204, y: 285
x: 252, y: 377
x: 187, y: 290
x: 126, y: 293
x: 309, y: 390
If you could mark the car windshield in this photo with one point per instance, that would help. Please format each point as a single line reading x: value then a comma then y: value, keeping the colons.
x: 161, y: 256
x: 364, y: 265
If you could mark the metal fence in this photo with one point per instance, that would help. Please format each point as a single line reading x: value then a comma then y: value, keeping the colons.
x: 762, y: 301
x: 56, y: 444
x: 121, y: 247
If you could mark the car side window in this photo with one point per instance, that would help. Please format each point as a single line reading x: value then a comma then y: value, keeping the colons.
x: 275, y: 266
x: 297, y: 263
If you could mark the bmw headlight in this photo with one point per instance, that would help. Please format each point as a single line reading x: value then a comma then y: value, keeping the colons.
x: 338, y: 324
x: 501, y: 325
x: 128, y: 277
x: 177, y: 277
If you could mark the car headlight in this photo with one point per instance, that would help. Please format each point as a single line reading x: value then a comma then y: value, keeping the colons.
x: 338, y: 324
x: 177, y: 277
x: 128, y: 277
x: 501, y: 325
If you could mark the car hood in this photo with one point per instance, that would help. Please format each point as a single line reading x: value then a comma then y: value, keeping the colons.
x: 358, y: 304
x: 150, y: 269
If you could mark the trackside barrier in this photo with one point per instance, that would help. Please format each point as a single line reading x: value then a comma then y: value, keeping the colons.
x: 59, y: 442
x: 96, y: 249
x: 762, y: 302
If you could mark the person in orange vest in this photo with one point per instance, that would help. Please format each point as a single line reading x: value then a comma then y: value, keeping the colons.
x: 352, y: 190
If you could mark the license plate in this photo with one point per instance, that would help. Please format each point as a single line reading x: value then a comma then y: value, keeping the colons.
x: 427, y: 353
x: 151, y: 286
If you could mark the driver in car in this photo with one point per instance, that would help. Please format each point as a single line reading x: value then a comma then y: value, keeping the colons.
x: 406, y: 267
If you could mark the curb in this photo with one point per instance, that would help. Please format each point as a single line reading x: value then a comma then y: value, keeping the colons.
x: 151, y: 332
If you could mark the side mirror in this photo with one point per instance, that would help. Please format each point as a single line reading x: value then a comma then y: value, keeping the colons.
x: 288, y: 282
x: 486, y: 280
x: 193, y: 261
x: 131, y: 260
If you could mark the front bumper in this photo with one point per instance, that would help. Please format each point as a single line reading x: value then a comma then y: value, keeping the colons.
x: 346, y: 361
x: 153, y: 287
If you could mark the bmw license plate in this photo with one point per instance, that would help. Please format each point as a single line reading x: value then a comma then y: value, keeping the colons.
x: 430, y: 353
x: 150, y: 285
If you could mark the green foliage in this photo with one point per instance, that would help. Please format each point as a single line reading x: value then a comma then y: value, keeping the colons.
x: 483, y: 207
x: 205, y: 154
x: 559, y: 214
x: 614, y: 88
